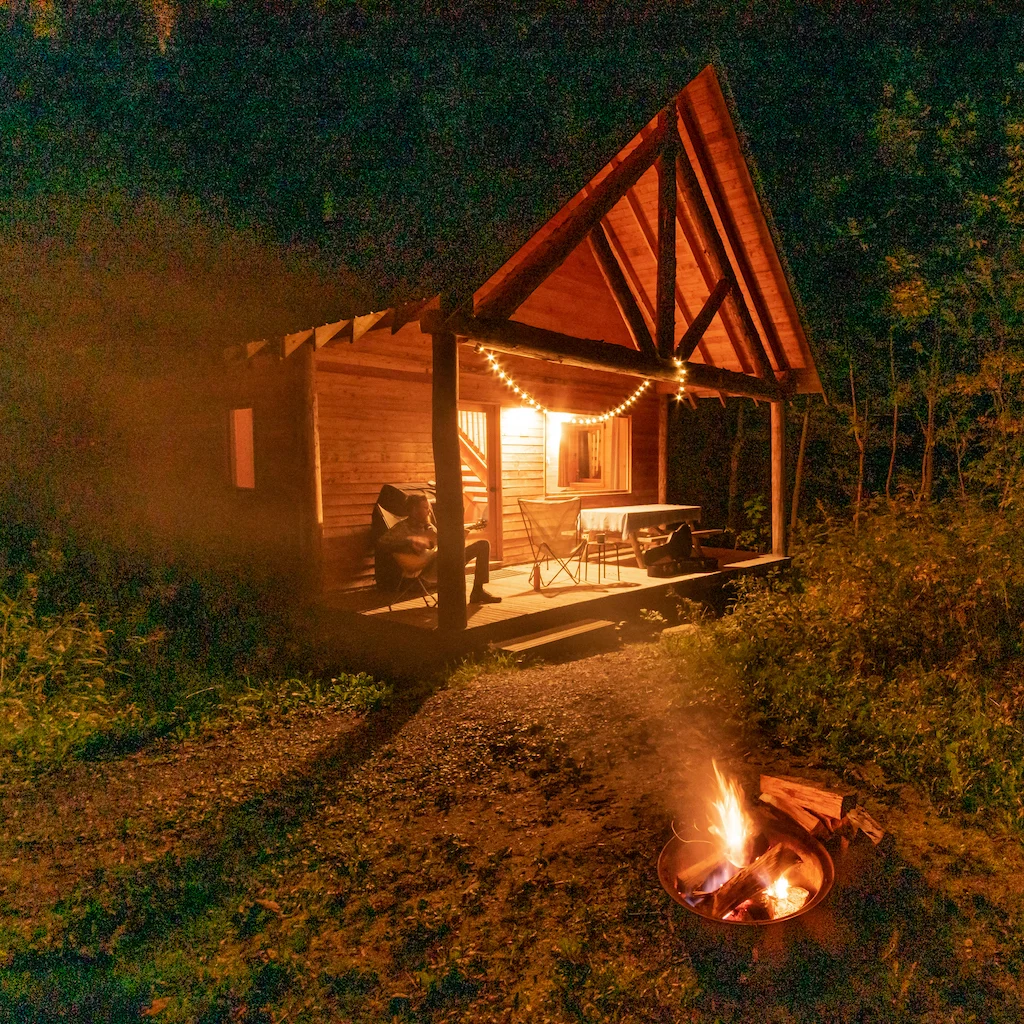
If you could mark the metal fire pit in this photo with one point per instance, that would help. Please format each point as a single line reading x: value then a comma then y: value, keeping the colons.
x: 815, y: 872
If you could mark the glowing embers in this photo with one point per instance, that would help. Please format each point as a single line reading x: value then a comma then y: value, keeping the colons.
x: 746, y: 868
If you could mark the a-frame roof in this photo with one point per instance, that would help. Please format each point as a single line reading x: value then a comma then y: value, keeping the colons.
x: 592, y: 271
x: 576, y: 298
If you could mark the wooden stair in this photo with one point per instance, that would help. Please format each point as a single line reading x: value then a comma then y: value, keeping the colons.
x: 561, y: 640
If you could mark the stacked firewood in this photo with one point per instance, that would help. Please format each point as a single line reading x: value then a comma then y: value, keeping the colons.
x: 821, y: 812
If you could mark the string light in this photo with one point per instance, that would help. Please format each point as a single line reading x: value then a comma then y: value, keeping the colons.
x: 528, y: 399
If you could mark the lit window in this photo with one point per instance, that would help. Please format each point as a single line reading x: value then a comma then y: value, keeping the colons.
x: 586, y: 456
x: 243, y: 461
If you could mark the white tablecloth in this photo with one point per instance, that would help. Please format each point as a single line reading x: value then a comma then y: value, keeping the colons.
x: 627, y: 519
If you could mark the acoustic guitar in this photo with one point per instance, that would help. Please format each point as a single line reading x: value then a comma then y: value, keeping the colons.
x: 413, y: 562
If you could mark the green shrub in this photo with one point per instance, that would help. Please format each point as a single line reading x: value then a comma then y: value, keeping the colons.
x: 57, y: 681
x: 65, y: 693
x: 898, y: 644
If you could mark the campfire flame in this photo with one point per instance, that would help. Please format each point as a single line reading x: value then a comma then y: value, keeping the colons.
x: 733, y: 827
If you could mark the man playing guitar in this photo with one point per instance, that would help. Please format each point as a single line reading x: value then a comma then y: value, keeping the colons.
x: 413, y: 544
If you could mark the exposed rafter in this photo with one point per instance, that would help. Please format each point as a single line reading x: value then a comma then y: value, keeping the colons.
x: 617, y: 284
x: 665, y: 303
x: 552, y: 253
x: 696, y: 138
x: 689, y: 341
x: 651, y: 240
x: 694, y: 196
x: 702, y: 259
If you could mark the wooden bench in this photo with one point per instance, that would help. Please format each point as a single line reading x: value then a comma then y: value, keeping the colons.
x: 546, y: 640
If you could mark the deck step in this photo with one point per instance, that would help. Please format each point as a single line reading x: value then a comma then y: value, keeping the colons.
x: 600, y: 630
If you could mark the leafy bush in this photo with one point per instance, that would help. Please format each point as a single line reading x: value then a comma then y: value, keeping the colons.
x: 898, y: 644
x: 64, y: 691
x: 56, y: 681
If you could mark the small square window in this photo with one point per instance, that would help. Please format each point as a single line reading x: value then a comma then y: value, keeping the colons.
x: 243, y: 461
x: 586, y: 457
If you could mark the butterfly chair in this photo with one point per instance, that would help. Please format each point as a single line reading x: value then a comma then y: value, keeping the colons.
x: 394, y: 578
x: 552, y: 528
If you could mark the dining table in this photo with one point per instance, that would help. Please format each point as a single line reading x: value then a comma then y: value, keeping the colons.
x: 626, y: 521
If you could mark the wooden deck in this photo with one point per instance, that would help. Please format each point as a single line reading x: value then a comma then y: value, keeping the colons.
x: 373, y: 634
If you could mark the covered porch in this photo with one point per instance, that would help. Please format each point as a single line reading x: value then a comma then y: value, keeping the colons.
x: 409, y: 631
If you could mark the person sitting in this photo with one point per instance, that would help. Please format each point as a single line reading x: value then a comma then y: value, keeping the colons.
x: 415, y: 535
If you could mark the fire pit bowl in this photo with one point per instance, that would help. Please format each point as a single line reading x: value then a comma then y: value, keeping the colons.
x: 815, y: 871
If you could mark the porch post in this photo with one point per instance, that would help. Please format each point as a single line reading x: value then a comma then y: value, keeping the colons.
x: 663, y: 401
x: 778, y: 478
x: 451, y: 541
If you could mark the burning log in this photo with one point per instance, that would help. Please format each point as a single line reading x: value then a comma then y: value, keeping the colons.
x: 692, y: 877
x: 824, y: 802
x: 749, y: 881
x: 809, y: 822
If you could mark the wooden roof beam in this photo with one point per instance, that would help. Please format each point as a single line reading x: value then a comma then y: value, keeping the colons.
x: 702, y: 259
x: 710, y: 237
x: 696, y: 138
x: 689, y: 341
x: 552, y: 253
x: 521, y: 339
x: 649, y: 237
x: 611, y: 271
x: 665, y: 303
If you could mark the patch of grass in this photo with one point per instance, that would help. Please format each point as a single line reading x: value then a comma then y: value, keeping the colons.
x: 468, y: 669
x: 65, y: 694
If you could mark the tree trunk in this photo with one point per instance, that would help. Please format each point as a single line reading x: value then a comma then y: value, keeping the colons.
x: 895, y: 420
x: 860, y: 429
x: 778, y: 415
x: 892, y: 450
x: 928, y: 458
x: 799, y: 475
x: 733, y: 513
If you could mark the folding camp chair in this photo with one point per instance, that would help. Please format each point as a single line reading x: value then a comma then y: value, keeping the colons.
x: 399, y: 579
x: 552, y: 528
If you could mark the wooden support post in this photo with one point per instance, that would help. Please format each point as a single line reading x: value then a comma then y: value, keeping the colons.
x: 778, y: 478
x: 666, y: 286
x: 663, y: 401
x: 451, y: 541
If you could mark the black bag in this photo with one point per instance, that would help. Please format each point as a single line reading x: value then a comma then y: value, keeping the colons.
x: 681, y: 567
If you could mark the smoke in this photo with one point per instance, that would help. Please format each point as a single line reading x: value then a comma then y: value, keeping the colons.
x: 114, y: 313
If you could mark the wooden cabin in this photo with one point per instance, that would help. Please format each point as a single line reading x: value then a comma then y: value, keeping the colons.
x: 659, y: 281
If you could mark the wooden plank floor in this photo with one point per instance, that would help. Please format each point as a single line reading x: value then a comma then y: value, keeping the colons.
x: 519, y: 599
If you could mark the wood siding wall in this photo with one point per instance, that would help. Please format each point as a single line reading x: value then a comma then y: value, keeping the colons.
x: 373, y: 402
x: 179, y: 478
